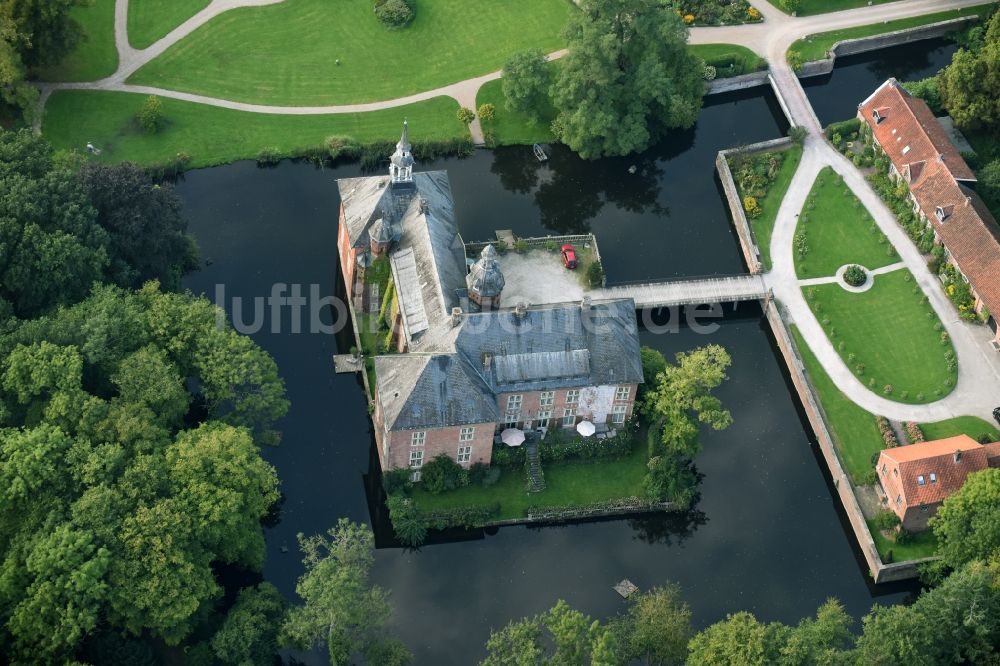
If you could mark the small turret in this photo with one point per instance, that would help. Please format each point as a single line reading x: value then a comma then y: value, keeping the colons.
x: 401, y: 162
x: 485, y: 280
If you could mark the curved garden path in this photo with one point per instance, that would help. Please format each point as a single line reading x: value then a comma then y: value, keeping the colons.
x: 978, y: 388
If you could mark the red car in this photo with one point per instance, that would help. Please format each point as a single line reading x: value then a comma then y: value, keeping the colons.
x: 569, y: 257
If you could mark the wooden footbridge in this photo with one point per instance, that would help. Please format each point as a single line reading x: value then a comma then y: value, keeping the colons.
x: 668, y: 293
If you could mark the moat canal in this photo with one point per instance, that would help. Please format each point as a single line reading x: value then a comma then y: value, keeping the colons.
x: 767, y: 534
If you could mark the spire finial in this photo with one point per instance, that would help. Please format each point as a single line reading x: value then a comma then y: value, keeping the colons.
x: 404, y: 140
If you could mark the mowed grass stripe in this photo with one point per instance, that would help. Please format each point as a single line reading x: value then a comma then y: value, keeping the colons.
x: 286, y: 54
x: 151, y: 20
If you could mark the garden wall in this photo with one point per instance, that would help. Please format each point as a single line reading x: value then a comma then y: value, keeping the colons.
x: 741, y: 82
x: 864, y: 44
x: 625, y: 507
x: 880, y: 572
x: 748, y: 242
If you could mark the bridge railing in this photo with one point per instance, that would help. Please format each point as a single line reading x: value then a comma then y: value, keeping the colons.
x: 743, y: 277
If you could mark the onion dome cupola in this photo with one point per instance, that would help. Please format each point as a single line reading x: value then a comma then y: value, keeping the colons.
x: 401, y: 162
x: 485, y: 280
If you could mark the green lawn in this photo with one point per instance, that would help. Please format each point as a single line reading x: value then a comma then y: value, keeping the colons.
x: 891, y: 332
x: 286, y: 53
x: 817, y: 46
x: 763, y: 225
x: 923, y: 544
x: 810, y: 7
x: 512, y: 127
x: 838, y: 230
x: 95, y: 57
x: 729, y: 59
x: 853, y: 429
x: 567, y: 484
x: 973, y: 426
x: 212, y: 135
x: 150, y: 20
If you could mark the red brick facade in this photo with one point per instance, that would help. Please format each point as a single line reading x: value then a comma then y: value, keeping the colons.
x: 347, y: 255
x: 531, y: 411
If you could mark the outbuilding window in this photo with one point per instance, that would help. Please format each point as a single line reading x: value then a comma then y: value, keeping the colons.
x: 920, y: 479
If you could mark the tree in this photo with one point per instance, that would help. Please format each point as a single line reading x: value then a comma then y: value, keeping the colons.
x: 487, y: 112
x: 249, y: 635
x: 682, y: 392
x: 660, y: 622
x: 341, y: 608
x: 653, y: 363
x: 560, y: 635
x: 525, y: 81
x: 968, y: 85
x: 989, y: 179
x: 144, y: 224
x: 150, y: 115
x: 739, y: 639
x: 967, y: 525
x: 628, y: 77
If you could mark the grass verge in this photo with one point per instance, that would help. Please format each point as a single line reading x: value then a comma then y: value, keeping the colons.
x: 836, y: 230
x: 889, y: 336
x: 150, y: 20
x: 810, y: 7
x: 817, y: 46
x: 95, y: 56
x: 513, y: 127
x: 853, y: 429
x: 973, y: 426
x: 212, y: 135
x: 296, y: 48
x: 922, y: 544
x: 729, y: 59
x: 568, y: 484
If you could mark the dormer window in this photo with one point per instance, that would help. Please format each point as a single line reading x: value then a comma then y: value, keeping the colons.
x: 933, y: 477
x: 877, y: 117
x: 920, y: 479
x: 940, y: 214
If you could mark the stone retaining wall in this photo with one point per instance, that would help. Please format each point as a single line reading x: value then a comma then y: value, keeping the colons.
x: 864, y: 44
x: 880, y: 572
x: 748, y: 241
x: 741, y: 82
x: 552, y: 517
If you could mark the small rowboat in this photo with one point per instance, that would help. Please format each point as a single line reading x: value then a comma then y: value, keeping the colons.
x: 539, y: 153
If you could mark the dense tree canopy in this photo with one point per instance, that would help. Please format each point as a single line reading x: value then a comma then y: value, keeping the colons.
x: 32, y: 33
x: 63, y: 227
x: 627, y: 78
x: 967, y: 525
x: 526, y: 83
x: 968, y: 86
x: 121, y: 488
x: 249, y: 635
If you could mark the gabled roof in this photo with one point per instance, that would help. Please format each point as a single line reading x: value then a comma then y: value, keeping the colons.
x: 922, y: 152
x: 909, y: 132
x: 543, y: 348
x: 907, y: 464
x: 431, y: 391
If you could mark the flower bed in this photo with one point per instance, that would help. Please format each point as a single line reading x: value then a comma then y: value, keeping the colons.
x: 713, y: 12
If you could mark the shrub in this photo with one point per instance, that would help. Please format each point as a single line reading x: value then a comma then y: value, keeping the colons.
x: 397, y: 481
x: 342, y: 147
x: 394, y: 14
x: 798, y: 134
x: 150, y: 116
x: 708, y: 72
x: 465, y: 115
x: 914, y: 432
x: 795, y: 59
x: 595, y: 274
x: 551, y: 246
x: 505, y: 456
x: 268, y: 157
x: 477, y: 472
x: 751, y: 206
x: 842, y: 129
x: 888, y: 434
x: 521, y: 246
x: 855, y: 275
x: 487, y: 112
x: 440, y: 474
x: 408, y: 524
x: 886, y: 520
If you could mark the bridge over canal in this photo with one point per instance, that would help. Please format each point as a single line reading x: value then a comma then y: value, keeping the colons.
x: 667, y: 293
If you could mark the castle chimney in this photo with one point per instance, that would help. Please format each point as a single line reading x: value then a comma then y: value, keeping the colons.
x: 520, y: 309
x: 456, y: 316
x: 585, y: 303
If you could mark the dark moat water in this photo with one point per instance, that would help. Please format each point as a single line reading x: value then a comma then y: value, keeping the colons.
x: 767, y: 534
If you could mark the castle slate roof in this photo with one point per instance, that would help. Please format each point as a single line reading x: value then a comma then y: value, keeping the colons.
x: 552, y: 347
x: 432, y: 391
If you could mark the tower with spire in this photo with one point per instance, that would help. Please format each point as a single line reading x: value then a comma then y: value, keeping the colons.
x: 401, y: 162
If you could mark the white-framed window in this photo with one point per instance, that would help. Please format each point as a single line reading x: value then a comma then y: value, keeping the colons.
x: 569, y: 417
x: 417, y: 458
x: 618, y: 414
x: 572, y: 396
x: 464, y: 454
x: 546, y: 398
x: 623, y: 392
x: 415, y: 476
x: 920, y: 479
x: 543, y: 418
x: 510, y: 419
x: 933, y: 477
x: 514, y: 403
x: 418, y: 438
x: 466, y: 434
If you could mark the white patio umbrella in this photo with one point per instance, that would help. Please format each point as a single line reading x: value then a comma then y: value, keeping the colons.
x: 586, y: 428
x: 512, y: 437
